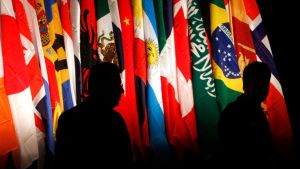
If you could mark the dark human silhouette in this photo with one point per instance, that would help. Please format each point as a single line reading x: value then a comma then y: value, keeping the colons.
x: 92, y: 134
x: 243, y: 130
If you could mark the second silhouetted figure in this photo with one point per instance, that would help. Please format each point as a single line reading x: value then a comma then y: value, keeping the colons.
x: 92, y: 134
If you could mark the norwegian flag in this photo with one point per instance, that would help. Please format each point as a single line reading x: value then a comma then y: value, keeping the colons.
x: 275, y: 106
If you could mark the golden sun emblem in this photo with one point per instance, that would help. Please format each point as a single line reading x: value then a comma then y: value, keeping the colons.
x: 152, y: 53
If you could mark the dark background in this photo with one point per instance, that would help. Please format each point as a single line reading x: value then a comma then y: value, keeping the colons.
x: 279, y: 18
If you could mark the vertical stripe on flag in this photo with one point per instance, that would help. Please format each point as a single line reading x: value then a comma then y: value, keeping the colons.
x: 204, y: 90
x: 44, y: 106
x: 158, y: 138
x: 7, y: 129
x: 183, y: 59
x: 242, y: 34
x: 50, y: 57
x: 88, y: 41
x: 130, y: 112
x: 140, y: 71
x: 75, y: 21
x: 275, y: 104
x: 61, y: 64
x: 16, y: 83
x: 68, y: 45
x: 35, y: 78
x: 105, y: 35
x: 225, y: 66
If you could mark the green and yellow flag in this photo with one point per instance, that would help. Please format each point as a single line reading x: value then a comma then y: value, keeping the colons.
x: 225, y: 66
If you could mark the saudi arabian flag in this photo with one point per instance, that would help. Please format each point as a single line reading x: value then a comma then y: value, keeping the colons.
x: 206, y: 106
x: 225, y: 66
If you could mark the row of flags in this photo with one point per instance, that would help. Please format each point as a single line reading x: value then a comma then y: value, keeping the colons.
x: 177, y: 75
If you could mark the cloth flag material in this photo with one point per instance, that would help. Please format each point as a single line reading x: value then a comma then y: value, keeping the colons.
x: 105, y: 36
x: 225, y: 66
x: 61, y: 64
x: 140, y: 71
x: 204, y: 90
x: 129, y: 108
x: 275, y: 106
x: 241, y: 33
x: 88, y: 41
x: 35, y: 78
x: 68, y: 45
x: 16, y: 82
x: 7, y: 129
x: 50, y: 58
x: 158, y: 138
x: 75, y: 21
x: 44, y: 106
x: 184, y: 82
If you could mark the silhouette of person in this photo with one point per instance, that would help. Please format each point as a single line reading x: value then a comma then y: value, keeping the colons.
x: 92, y: 134
x: 243, y: 129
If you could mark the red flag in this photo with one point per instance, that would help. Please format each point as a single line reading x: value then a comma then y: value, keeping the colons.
x: 242, y: 34
x: 140, y: 71
x: 7, y: 129
x: 16, y: 82
x: 128, y: 104
x: 88, y: 41
x: 68, y: 44
x: 183, y: 59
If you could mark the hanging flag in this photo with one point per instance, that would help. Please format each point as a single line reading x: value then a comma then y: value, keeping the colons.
x: 16, y: 83
x: 274, y: 106
x: 7, y: 129
x: 204, y: 90
x: 74, y: 7
x: 88, y: 41
x: 105, y: 35
x: 176, y: 130
x: 183, y: 59
x: 130, y: 108
x: 158, y: 138
x: 224, y: 61
x: 140, y: 71
x: 58, y: 51
x: 68, y: 45
x: 35, y: 78
x: 50, y: 57
x: 57, y: 42
x: 242, y: 34
x: 45, y: 104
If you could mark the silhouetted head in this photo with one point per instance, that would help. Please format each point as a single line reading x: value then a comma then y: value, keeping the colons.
x: 105, y: 84
x: 256, y: 81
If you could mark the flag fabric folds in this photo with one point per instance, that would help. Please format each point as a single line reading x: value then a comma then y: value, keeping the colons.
x: 88, y: 41
x: 158, y: 138
x: 105, y: 36
x: 224, y: 61
x: 275, y: 106
x: 129, y: 109
x: 178, y: 74
x: 140, y: 72
x: 50, y: 58
x: 7, y: 129
x: 184, y: 83
x: 35, y: 78
x: 75, y: 21
x: 68, y: 46
x: 16, y: 83
x: 44, y: 106
x: 204, y: 90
